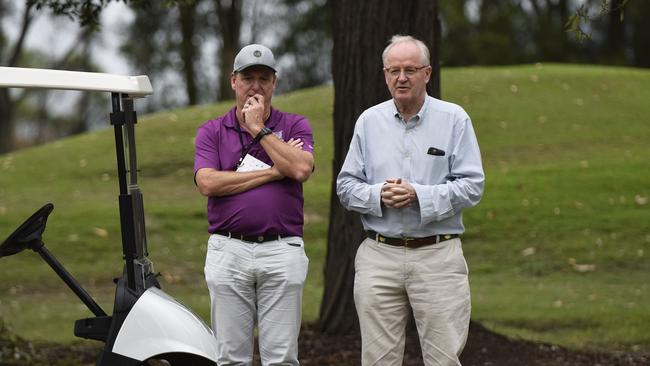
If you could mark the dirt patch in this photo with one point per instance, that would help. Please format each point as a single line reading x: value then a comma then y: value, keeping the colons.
x: 484, y: 348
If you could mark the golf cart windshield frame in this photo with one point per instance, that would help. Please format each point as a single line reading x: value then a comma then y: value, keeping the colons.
x: 123, y: 90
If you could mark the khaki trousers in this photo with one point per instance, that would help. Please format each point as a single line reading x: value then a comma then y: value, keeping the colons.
x: 432, y: 280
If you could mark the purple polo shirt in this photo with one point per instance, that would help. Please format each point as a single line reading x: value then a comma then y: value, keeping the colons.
x: 272, y: 208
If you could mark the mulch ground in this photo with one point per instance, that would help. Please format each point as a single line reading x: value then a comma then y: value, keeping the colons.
x: 484, y: 348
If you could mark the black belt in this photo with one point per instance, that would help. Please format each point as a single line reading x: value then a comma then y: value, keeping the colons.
x: 411, y: 242
x: 251, y: 238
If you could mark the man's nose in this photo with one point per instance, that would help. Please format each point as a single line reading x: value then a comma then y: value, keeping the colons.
x: 255, y: 85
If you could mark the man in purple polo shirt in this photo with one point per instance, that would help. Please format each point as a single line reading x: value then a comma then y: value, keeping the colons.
x: 251, y: 163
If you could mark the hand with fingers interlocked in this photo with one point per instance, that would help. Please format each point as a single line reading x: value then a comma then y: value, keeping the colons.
x: 398, y: 193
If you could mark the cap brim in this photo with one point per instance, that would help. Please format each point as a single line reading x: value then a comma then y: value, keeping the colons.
x: 243, y: 67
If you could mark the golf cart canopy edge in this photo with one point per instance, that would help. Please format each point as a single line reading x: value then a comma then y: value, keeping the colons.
x: 18, y: 77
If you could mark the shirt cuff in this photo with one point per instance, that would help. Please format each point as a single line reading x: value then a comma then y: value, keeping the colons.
x: 435, y: 202
x: 374, y: 202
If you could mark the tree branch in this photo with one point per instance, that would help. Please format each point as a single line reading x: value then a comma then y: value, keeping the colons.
x: 18, y: 46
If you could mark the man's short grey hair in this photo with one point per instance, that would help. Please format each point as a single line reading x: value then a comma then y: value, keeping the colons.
x: 396, y: 39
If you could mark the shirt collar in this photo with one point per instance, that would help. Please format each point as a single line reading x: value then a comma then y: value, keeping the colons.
x: 419, y: 115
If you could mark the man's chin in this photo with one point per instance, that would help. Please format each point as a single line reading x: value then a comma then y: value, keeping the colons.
x: 403, y: 97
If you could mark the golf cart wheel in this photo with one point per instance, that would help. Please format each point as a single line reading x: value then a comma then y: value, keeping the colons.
x: 177, y: 359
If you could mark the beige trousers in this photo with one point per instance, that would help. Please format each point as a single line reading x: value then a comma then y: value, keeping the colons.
x: 432, y: 280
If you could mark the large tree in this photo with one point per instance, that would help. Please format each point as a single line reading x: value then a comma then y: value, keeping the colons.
x: 361, y: 30
x: 228, y: 27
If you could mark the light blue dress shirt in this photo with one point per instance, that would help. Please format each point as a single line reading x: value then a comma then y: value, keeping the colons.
x: 384, y: 147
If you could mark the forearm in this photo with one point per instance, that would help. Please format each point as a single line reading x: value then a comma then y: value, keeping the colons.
x: 212, y: 182
x: 291, y: 162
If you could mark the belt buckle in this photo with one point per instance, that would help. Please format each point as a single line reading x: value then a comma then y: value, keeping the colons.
x: 406, y: 241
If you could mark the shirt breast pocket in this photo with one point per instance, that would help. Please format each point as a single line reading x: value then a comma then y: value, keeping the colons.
x: 434, y: 168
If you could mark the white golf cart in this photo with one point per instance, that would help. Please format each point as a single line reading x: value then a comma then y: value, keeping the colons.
x: 146, y: 323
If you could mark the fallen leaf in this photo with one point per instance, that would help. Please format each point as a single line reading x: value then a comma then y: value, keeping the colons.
x: 584, y: 268
x: 581, y: 267
x: 640, y: 200
x: 102, y: 233
x: 528, y: 251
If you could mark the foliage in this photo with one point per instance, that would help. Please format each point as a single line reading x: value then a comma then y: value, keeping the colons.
x: 582, y: 17
x: 86, y: 12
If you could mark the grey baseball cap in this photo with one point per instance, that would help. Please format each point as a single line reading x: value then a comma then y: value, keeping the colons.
x: 254, y: 54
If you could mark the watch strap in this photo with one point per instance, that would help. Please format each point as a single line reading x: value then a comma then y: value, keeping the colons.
x: 263, y: 132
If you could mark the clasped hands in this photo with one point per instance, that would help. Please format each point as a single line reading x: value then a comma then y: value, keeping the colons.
x: 396, y: 193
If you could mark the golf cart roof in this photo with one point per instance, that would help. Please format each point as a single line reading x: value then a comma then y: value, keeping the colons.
x: 18, y: 77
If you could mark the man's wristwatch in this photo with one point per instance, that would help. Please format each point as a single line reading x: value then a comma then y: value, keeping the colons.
x: 263, y: 132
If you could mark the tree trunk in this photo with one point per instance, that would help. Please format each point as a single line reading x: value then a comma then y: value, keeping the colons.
x: 229, y: 26
x: 548, y: 34
x: 361, y: 31
x: 640, y: 38
x: 615, y: 42
x: 189, y: 51
x: 6, y: 122
x: 7, y: 105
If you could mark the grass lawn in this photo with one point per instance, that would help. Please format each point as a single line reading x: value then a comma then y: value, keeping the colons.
x: 558, y: 248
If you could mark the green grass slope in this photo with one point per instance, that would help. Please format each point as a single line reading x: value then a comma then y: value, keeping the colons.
x: 558, y: 248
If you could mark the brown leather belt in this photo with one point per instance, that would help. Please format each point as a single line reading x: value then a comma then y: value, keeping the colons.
x: 410, y: 242
x: 250, y: 238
